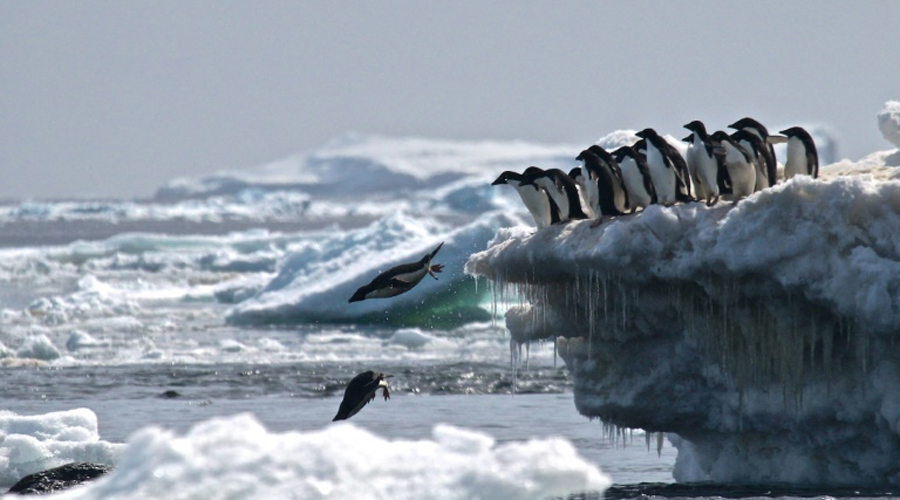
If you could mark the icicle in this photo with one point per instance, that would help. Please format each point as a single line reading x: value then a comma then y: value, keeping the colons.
x: 527, y: 355
x: 660, y: 439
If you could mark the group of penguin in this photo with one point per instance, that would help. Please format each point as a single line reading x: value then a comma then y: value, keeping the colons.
x: 652, y: 171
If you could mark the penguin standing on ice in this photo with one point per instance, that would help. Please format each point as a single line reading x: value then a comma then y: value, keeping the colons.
x: 562, y: 190
x: 667, y: 169
x: 612, y: 199
x: 741, y: 166
x: 753, y: 126
x: 704, y: 159
x: 757, y: 149
x: 536, y: 200
x: 577, y: 175
x: 802, y: 157
x: 399, y: 279
x: 636, y: 177
x: 360, y: 391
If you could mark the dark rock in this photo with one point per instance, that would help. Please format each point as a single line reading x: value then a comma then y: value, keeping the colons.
x: 170, y: 394
x: 59, y: 478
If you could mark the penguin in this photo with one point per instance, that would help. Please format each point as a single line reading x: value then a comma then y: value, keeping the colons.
x: 636, y: 177
x: 740, y: 165
x: 704, y: 159
x: 771, y: 163
x: 802, y: 157
x: 360, y: 391
x: 667, y: 169
x: 561, y: 189
x: 577, y: 175
x: 757, y: 149
x: 399, y: 279
x: 536, y: 200
x: 612, y: 197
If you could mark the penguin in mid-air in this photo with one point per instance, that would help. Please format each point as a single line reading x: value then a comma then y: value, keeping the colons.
x: 360, y: 391
x: 562, y: 190
x: 802, y: 157
x: 399, y: 279
x: 740, y: 164
x: 667, y: 168
x: 636, y: 177
x: 705, y: 158
x: 753, y: 126
x: 536, y: 200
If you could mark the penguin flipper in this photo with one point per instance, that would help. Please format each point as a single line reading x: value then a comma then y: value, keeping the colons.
x: 397, y: 282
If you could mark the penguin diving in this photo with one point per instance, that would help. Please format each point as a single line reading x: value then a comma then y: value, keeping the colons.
x: 399, y: 279
x: 360, y: 391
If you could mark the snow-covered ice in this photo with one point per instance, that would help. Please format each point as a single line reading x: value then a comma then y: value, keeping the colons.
x: 237, y: 457
x: 760, y: 335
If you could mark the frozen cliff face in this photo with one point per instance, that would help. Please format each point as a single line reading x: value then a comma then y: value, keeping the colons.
x: 762, y: 335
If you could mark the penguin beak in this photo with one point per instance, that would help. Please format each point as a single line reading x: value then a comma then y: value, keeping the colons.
x: 776, y: 139
x: 689, y: 138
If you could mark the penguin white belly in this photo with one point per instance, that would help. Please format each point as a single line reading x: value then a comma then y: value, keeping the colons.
x: 703, y: 169
x: 796, y: 159
x: 743, y: 174
x: 634, y: 183
x: 537, y: 203
x: 412, y: 279
x: 562, y: 201
x: 585, y: 195
x: 762, y: 177
x: 662, y: 176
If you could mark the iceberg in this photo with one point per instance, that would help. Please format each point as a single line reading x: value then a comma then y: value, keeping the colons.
x: 761, y: 336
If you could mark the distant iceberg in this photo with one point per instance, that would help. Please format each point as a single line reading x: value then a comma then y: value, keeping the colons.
x: 762, y: 336
x: 314, y: 283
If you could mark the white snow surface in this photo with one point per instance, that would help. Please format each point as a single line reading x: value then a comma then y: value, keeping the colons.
x: 30, y: 444
x: 837, y: 242
x: 237, y: 457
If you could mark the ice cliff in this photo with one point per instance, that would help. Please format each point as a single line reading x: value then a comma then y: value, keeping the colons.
x: 764, y: 337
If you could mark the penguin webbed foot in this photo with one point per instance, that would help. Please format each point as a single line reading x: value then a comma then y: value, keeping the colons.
x: 385, y: 393
x: 436, y: 268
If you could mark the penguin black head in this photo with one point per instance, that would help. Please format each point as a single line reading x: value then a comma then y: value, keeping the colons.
x: 696, y: 126
x: 531, y: 174
x: 507, y: 176
x: 748, y: 122
x: 721, y: 136
x: 361, y: 293
x: 798, y: 132
x: 575, y: 173
x: 644, y: 133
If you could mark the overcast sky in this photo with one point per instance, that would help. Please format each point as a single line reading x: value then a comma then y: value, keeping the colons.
x: 114, y: 98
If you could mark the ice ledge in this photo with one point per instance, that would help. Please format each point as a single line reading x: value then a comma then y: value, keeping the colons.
x: 763, y: 334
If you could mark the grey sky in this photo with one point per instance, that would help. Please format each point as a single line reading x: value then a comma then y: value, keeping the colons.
x: 113, y: 98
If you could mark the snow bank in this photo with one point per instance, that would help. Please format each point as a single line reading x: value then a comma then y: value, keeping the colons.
x: 238, y: 458
x: 316, y: 279
x: 889, y: 122
x: 761, y: 333
x: 30, y: 444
